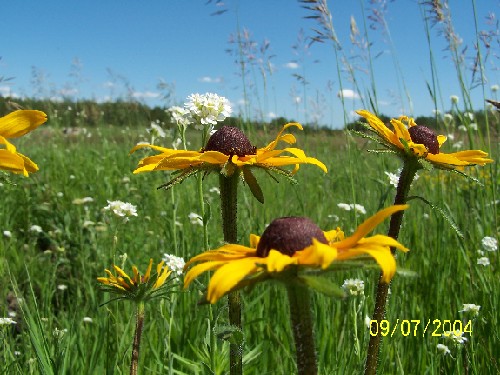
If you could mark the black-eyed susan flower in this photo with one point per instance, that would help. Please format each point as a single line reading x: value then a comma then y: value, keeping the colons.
x: 14, y: 125
x: 138, y: 287
x: 228, y: 150
x: 418, y: 141
x: 289, y: 245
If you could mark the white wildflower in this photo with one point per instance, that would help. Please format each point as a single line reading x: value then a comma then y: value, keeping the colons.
x: 454, y: 99
x: 473, y: 126
x: 352, y: 206
x: 458, y: 145
x: 393, y: 178
x: 462, y: 128
x: 471, y: 308
x: 207, y: 109
x: 494, y: 88
x: 443, y: 349
x: 195, y: 219
x: 87, y: 319
x: 36, y: 228
x: 456, y: 336
x: 179, y: 115
x: 215, y: 190
x: 156, y: 131
x: 489, y: 243
x: 62, y: 287
x: 354, y: 286
x: 483, y: 261
x: 174, y: 263
x: 5, y: 321
x: 121, y: 209
x: 7, y: 233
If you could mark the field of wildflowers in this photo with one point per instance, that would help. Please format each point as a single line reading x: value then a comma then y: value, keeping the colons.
x: 194, y: 246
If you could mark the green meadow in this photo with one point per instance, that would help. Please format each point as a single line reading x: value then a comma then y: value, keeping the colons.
x: 48, y: 276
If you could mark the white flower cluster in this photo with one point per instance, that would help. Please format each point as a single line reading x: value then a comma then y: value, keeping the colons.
x: 174, y: 263
x: 443, y: 349
x: 456, y: 336
x: 121, y: 209
x: 202, y: 110
x: 354, y: 287
x: 489, y: 243
x: 156, y: 131
x: 352, y: 206
x: 195, y: 219
x: 471, y: 308
x: 393, y: 178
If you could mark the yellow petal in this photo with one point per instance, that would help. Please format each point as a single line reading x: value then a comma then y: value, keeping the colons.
x: 441, y: 139
x: 18, y: 123
x: 368, y: 225
x: 286, y: 138
x: 276, y: 261
x: 197, y: 270
x: 12, y: 162
x: 227, y: 276
x: 318, y: 254
x: 254, y: 241
x: 378, y: 125
x: 382, y: 256
x: 162, y: 277
x: 147, y: 275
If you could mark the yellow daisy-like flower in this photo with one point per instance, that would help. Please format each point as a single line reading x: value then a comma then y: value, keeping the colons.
x: 137, y: 287
x: 421, y: 142
x: 228, y: 149
x: 292, y: 244
x: 14, y: 125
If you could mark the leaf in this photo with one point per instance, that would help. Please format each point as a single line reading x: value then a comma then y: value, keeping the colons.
x: 322, y: 285
x: 230, y: 333
x: 447, y: 217
x: 253, y: 184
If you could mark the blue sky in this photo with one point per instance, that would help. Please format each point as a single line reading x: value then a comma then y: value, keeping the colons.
x: 108, y: 49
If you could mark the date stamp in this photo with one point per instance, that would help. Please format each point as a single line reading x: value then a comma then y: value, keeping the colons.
x: 417, y: 327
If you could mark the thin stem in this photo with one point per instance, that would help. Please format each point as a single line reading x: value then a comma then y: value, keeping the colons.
x: 139, y: 323
x: 229, y: 211
x: 410, y: 168
x: 302, y: 327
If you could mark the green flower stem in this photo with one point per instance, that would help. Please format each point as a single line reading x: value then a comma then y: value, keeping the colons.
x: 202, y: 211
x: 302, y: 327
x: 229, y: 210
x: 139, y: 323
x: 410, y: 168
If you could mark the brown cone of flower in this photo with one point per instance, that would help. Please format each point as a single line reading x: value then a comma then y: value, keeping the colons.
x: 230, y: 141
x: 423, y: 135
x: 288, y: 235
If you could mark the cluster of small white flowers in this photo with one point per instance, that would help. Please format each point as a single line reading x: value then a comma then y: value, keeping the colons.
x: 393, y: 178
x: 456, y: 336
x: 59, y: 333
x: 36, y: 228
x: 352, y: 206
x: 174, y: 263
x: 121, y: 209
x: 454, y: 99
x: 443, y: 349
x: 206, y: 109
x: 179, y: 115
x: 483, y: 261
x: 195, y: 219
x: 354, y: 287
x: 471, y: 308
x: 5, y: 321
x: 156, y: 131
x: 489, y: 243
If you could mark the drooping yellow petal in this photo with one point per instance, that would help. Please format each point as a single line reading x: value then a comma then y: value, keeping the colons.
x: 227, y: 276
x: 378, y: 125
x: 18, y: 123
x: 163, y: 274
x: 272, y: 145
x: 12, y: 162
x: 225, y: 252
x: 254, y: 241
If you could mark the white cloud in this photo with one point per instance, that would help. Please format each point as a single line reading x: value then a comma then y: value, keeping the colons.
x: 271, y: 115
x: 145, y: 95
x: 348, y: 94
x: 291, y: 65
x: 7, y: 91
x: 207, y: 79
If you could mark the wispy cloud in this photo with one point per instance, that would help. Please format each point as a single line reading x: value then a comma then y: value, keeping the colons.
x: 7, y: 91
x: 207, y: 79
x: 291, y: 65
x: 145, y: 95
x: 348, y: 94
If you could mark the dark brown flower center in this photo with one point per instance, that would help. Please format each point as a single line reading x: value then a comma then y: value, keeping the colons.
x: 230, y: 141
x: 288, y: 235
x: 423, y: 135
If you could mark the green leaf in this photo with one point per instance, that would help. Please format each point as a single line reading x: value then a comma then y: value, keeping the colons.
x: 229, y: 333
x: 446, y: 216
x: 322, y: 285
x: 253, y: 184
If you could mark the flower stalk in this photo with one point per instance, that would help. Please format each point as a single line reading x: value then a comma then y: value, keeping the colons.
x: 410, y: 168
x: 229, y: 210
x: 139, y: 324
x: 301, y: 321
